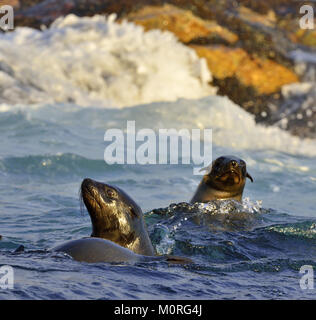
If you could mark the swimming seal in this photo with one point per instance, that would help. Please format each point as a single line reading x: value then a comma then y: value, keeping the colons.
x: 115, y: 216
x: 119, y: 233
x: 226, y: 179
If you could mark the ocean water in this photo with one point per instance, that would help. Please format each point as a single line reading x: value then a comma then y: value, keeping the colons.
x: 61, y: 89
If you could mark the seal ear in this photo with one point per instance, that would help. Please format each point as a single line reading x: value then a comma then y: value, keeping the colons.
x: 204, y: 169
x: 208, y: 169
x: 249, y: 176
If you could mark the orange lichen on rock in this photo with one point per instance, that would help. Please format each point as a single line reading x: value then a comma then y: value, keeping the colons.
x: 247, y: 14
x: 264, y: 75
x: 12, y: 3
x: 305, y: 36
x: 183, y: 23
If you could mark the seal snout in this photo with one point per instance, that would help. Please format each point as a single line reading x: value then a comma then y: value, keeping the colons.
x: 234, y: 167
x: 87, y: 187
x: 231, y: 169
x: 86, y: 183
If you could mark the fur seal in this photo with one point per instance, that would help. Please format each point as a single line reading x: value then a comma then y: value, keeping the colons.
x: 226, y: 179
x: 119, y: 233
x: 115, y: 216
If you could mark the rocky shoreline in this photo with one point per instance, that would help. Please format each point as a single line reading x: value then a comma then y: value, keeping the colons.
x: 249, y: 47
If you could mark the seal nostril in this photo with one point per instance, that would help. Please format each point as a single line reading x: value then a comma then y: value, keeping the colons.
x: 110, y: 193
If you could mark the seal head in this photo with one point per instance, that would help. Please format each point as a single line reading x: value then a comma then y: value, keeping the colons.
x: 116, y: 217
x: 226, y: 179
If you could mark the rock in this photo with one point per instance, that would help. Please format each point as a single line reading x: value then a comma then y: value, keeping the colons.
x: 247, y: 45
x: 12, y: 3
x: 247, y: 78
x: 296, y: 111
x: 296, y: 34
x: 282, y: 8
x: 306, y: 37
x: 249, y: 16
x: 185, y: 25
x: 43, y: 13
x: 264, y: 75
x: 38, y: 13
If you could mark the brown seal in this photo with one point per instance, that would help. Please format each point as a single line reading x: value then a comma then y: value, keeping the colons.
x: 119, y: 233
x: 226, y: 179
x: 116, y: 216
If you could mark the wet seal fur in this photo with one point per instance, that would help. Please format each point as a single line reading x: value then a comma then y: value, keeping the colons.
x: 98, y: 250
x: 116, y: 216
x: 119, y: 232
x: 226, y: 179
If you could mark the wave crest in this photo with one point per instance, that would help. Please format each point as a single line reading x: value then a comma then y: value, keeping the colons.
x: 97, y: 61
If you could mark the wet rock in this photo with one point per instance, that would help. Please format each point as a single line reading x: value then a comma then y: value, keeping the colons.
x: 250, y: 81
x: 296, y: 110
x: 185, y: 25
x: 43, y: 13
x: 247, y: 15
x: 248, y: 75
x: 264, y: 75
x: 282, y: 8
x: 12, y: 3
x: 246, y: 43
x: 305, y: 36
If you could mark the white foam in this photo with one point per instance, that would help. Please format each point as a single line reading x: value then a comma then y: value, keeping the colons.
x: 296, y: 89
x: 231, y: 125
x: 97, y: 61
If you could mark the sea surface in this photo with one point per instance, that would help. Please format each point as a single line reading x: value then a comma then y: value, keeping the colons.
x: 61, y: 89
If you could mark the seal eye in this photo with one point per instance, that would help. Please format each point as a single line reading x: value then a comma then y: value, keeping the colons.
x: 110, y: 193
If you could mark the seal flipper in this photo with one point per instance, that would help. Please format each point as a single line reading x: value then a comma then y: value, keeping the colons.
x: 20, y: 248
x: 178, y: 260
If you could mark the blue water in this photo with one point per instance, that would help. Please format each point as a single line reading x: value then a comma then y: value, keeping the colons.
x: 252, y: 250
